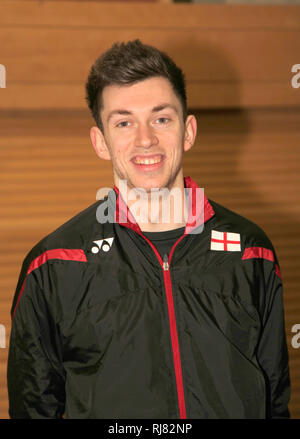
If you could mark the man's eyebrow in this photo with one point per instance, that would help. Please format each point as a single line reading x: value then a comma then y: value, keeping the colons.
x: 154, y: 110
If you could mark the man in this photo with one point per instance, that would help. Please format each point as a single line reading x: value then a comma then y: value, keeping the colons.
x: 122, y: 314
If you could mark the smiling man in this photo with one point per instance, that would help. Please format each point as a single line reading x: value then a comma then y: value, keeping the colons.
x: 146, y: 143
x: 143, y: 317
x: 145, y: 135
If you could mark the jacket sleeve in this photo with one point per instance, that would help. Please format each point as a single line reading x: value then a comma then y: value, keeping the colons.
x: 35, y: 376
x: 272, y: 352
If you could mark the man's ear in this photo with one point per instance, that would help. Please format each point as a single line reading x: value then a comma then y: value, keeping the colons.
x: 99, y: 143
x: 190, y: 132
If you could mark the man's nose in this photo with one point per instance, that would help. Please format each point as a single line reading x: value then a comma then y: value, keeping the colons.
x: 145, y: 136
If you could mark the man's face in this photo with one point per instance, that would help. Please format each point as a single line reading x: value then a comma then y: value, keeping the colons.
x: 144, y: 134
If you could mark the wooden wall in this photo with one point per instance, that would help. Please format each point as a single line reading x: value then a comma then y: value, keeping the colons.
x: 237, y: 61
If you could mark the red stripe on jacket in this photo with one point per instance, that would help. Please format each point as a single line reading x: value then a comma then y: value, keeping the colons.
x: 263, y: 253
x: 57, y: 253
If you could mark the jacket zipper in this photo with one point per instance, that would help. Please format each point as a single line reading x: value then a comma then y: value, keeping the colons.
x: 174, y: 338
x: 165, y: 264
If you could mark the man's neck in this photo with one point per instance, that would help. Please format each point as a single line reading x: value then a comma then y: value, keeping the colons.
x: 166, y: 214
x: 159, y: 210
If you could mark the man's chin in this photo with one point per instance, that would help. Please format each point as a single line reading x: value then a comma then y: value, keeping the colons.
x: 147, y: 186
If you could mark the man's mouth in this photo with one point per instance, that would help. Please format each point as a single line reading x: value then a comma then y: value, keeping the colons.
x: 149, y: 160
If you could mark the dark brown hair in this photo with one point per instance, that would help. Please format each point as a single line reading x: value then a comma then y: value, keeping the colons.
x: 127, y: 64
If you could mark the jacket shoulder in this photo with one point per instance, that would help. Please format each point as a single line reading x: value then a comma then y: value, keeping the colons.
x: 73, y: 234
x: 251, y: 233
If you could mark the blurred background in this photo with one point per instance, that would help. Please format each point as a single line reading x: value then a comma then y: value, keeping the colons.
x: 242, y: 65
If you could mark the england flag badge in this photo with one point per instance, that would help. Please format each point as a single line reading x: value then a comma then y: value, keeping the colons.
x: 225, y: 241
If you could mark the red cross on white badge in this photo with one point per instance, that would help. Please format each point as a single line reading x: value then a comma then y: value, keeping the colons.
x: 225, y: 241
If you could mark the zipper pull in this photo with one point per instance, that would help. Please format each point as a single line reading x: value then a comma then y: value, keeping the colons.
x: 165, y: 262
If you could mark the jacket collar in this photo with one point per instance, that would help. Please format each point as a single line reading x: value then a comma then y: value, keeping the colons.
x: 199, y: 209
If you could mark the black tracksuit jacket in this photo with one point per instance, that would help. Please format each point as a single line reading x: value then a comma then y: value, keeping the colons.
x: 102, y: 327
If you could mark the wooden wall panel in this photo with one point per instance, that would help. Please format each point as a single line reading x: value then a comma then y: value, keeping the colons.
x: 224, y: 49
x: 37, y: 55
x: 200, y: 17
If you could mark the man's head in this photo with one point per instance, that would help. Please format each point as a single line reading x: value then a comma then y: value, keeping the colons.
x: 126, y: 64
x: 130, y: 88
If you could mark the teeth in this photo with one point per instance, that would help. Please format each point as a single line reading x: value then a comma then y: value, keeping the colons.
x: 147, y: 161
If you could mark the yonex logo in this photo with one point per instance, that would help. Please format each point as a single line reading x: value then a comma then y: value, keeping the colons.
x: 102, y: 244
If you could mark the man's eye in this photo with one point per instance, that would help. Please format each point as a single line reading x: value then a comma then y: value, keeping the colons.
x: 163, y: 118
x: 120, y: 124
